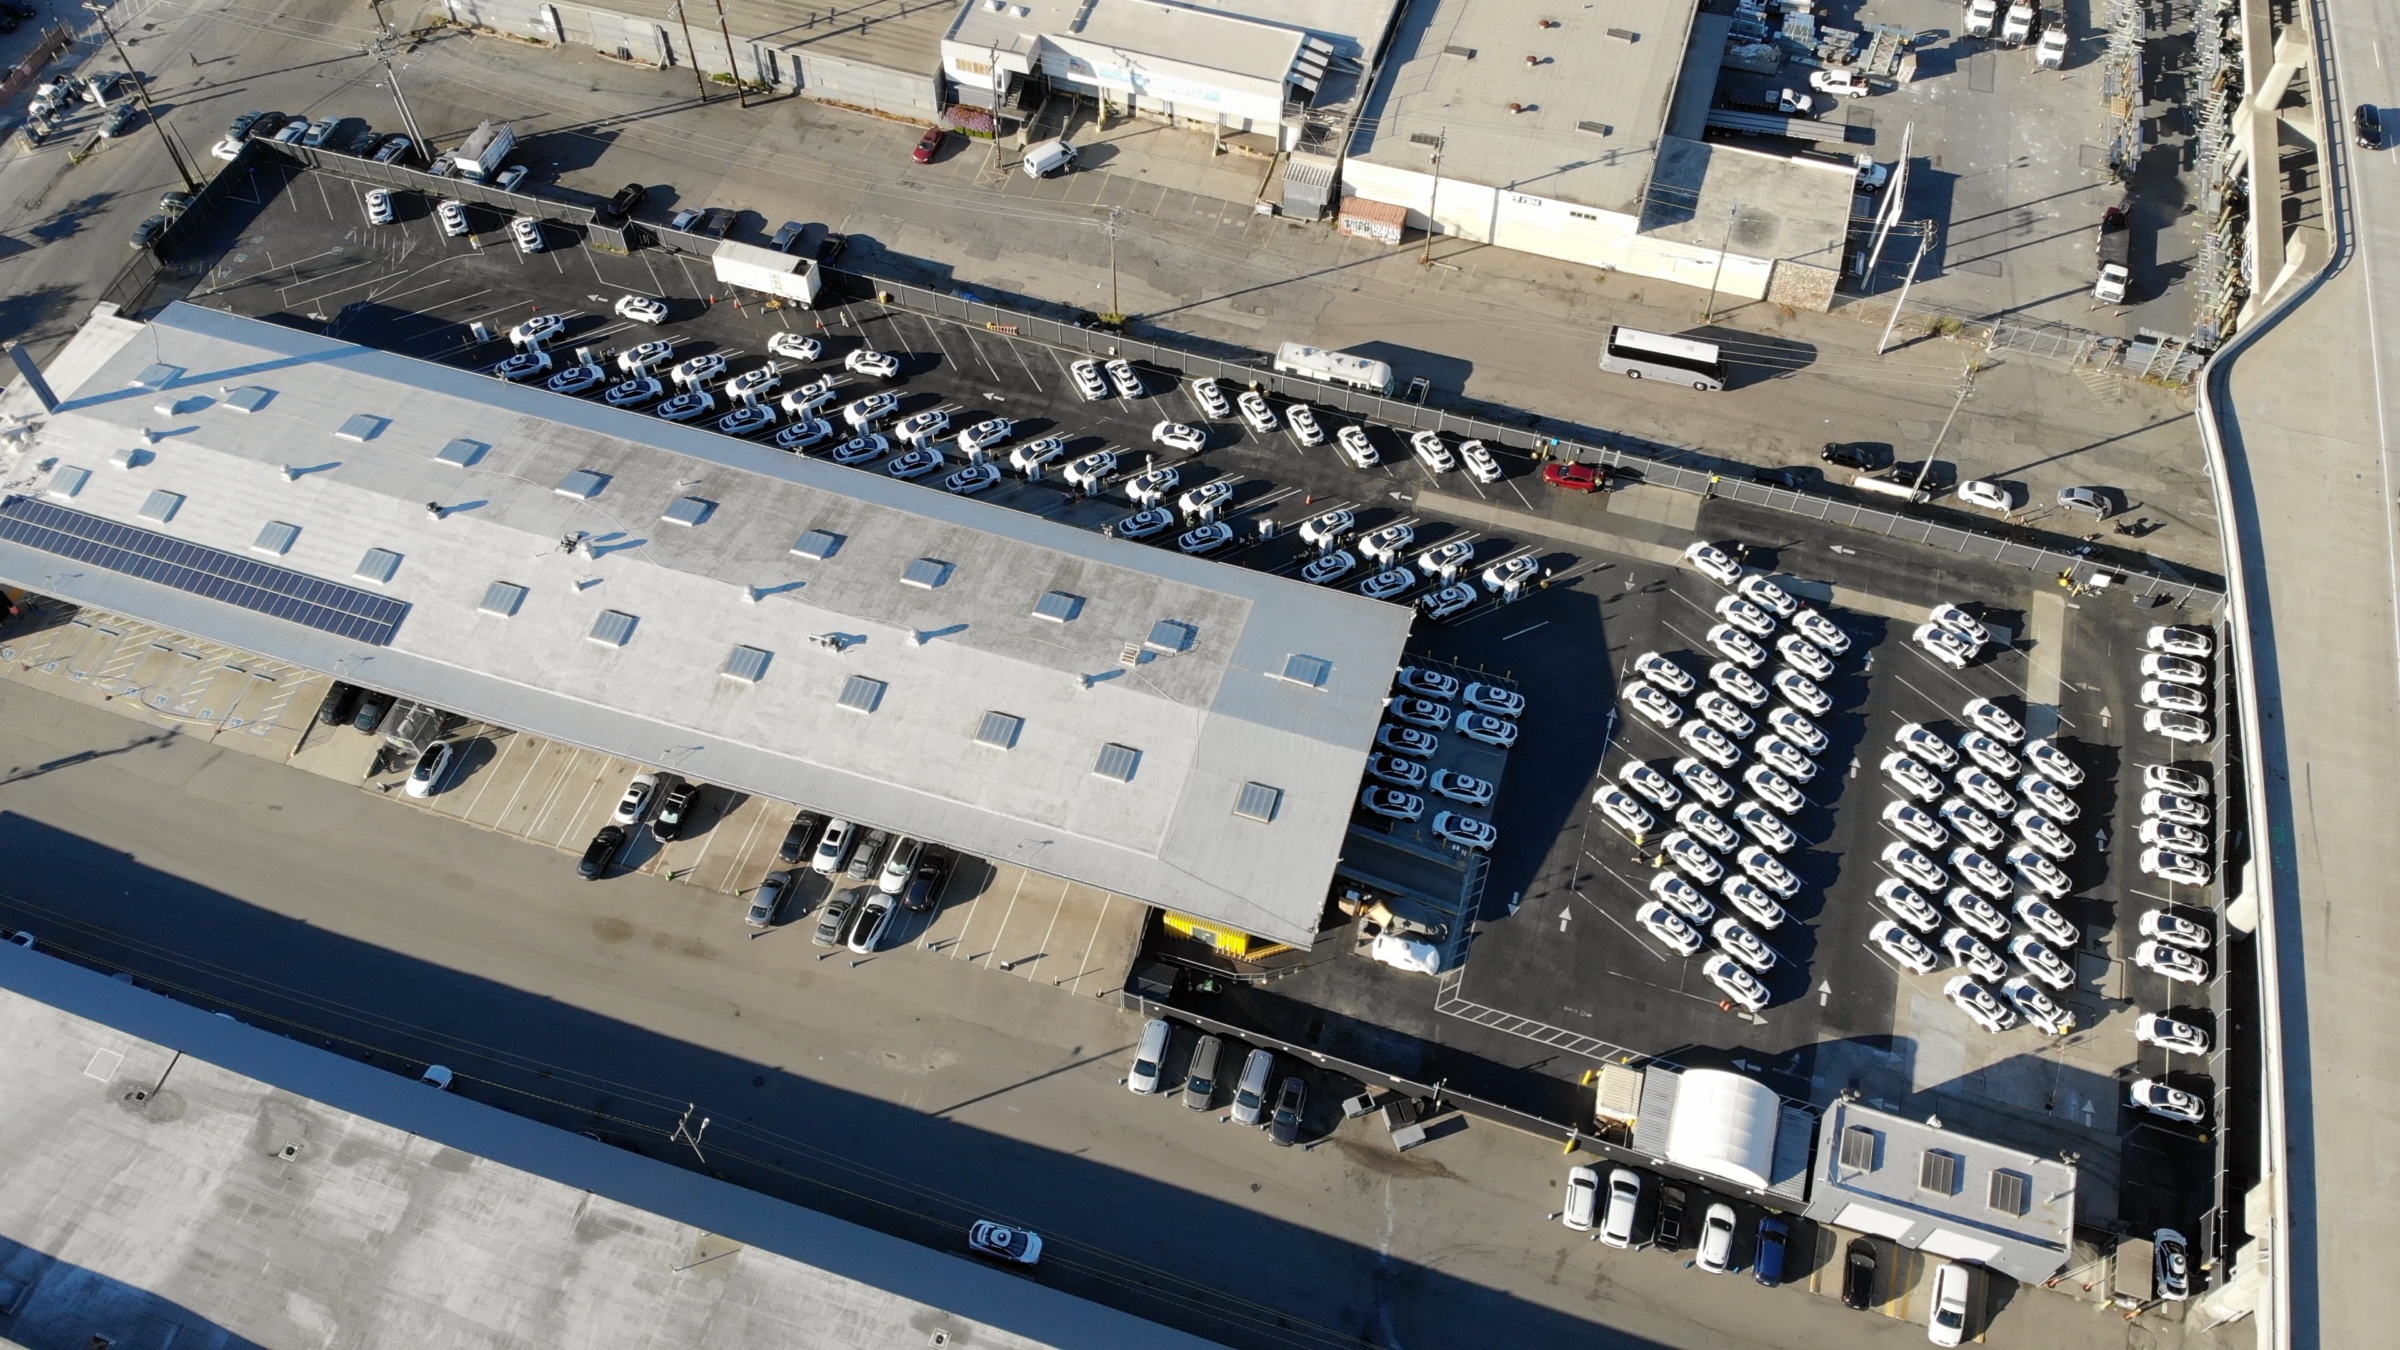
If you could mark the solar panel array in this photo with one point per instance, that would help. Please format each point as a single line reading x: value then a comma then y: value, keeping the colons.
x: 214, y: 574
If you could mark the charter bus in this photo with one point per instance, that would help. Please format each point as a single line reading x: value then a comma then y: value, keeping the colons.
x: 1655, y: 356
x: 1315, y: 363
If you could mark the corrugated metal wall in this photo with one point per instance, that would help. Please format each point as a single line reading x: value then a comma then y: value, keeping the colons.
x: 904, y: 93
x: 913, y: 93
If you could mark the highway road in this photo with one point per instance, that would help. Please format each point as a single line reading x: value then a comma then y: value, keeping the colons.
x: 2307, y: 418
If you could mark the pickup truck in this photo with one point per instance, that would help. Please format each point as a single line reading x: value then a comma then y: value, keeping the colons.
x: 2112, y: 252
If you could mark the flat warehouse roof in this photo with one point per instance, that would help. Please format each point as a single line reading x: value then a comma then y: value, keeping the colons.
x: 1593, y: 90
x: 743, y: 616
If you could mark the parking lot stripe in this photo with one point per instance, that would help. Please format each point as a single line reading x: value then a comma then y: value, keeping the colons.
x: 966, y: 927
x: 508, y: 745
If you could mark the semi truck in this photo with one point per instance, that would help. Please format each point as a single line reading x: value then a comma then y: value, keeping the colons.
x: 2017, y: 28
x: 485, y: 151
x: 1982, y: 17
x: 2113, y: 250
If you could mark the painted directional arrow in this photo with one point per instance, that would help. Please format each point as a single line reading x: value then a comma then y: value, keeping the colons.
x: 1824, y: 993
x: 2104, y: 716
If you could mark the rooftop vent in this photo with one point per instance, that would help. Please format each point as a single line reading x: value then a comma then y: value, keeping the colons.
x: 614, y: 628
x: 2010, y: 1191
x: 66, y: 480
x: 363, y: 427
x: 999, y: 730
x: 1858, y: 1148
x: 583, y: 484
x: 276, y: 537
x: 926, y: 572
x: 818, y: 544
x: 747, y: 664
x: 1258, y: 802
x: 1117, y: 762
x: 1312, y: 671
x: 158, y: 376
x: 249, y: 398
x: 1937, y: 1172
x: 1596, y: 128
x: 162, y: 505
x: 1058, y: 607
x: 461, y: 452
x: 502, y: 598
x: 689, y: 511
x: 1424, y: 138
x: 1624, y: 35
x: 860, y: 694
x: 379, y: 564
x: 1468, y: 53
x: 1171, y: 635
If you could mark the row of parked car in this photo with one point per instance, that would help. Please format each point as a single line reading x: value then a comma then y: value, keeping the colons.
x: 1417, y: 711
x: 1202, y: 1081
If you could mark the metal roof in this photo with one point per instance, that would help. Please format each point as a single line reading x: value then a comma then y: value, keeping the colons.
x: 1180, y: 663
x: 1935, y: 1189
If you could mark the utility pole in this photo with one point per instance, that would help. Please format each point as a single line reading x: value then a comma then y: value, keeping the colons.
x: 382, y: 51
x: 1116, y: 314
x: 690, y: 51
x: 739, y: 92
x: 1709, y: 315
x: 1924, y: 245
x: 142, y: 92
x: 1441, y: 143
x: 1966, y: 388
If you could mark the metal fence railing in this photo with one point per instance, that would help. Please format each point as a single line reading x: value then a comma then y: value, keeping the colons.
x: 522, y: 201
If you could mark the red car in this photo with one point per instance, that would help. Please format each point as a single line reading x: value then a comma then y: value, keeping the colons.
x: 928, y: 145
x: 1576, y: 477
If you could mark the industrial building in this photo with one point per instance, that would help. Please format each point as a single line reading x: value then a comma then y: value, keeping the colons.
x: 1186, y: 733
x: 1935, y: 1190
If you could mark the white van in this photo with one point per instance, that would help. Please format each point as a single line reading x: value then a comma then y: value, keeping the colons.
x: 1044, y: 158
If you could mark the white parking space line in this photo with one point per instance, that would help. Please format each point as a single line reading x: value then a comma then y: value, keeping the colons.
x: 491, y: 772
x: 1004, y: 917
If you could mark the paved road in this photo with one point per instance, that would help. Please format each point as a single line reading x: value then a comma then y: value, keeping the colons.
x: 2310, y: 464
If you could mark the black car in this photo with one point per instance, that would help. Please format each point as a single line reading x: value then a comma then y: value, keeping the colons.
x: 933, y: 868
x: 802, y: 837
x: 668, y: 823
x: 602, y: 851
x: 371, y: 708
x: 1670, y: 1218
x: 340, y: 701
x: 1795, y: 479
x: 1856, y: 454
x: 1290, y: 1103
x: 265, y: 127
x: 146, y: 234
x: 628, y: 200
x: 1858, y: 1275
x: 2368, y: 123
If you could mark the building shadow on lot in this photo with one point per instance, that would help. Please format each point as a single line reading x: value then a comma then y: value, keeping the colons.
x: 55, y: 1302
x: 1180, y: 1256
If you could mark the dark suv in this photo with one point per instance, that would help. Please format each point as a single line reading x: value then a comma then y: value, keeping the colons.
x: 1854, y: 454
x: 628, y: 200
x: 802, y: 837
x: 1290, y: 1105
x: 602, y: 851
x: 1858, y: 1275
x: 340, y: 701
x: 668, y: 823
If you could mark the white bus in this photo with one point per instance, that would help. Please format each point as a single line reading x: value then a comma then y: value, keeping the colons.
x: 1655, y: 356
x: 1316, y: 363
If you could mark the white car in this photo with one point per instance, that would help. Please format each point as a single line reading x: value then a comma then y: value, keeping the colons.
x: 633, y: 393
x: 1743, y: 945
x: 2053, y: 763
x: 1692, y: 856
x: 812, y: 398
x: 1761, y: 591
x: 1980, y: 872
x: 866, y: 412
x: 2181, y: 782
x: 915, y: 464
x: 1748, y: 617
x: 755, y: 383
x: 1397, y: 770
x: 1925, y: 746
x: 537, y: 330
x: 1392, y: 803
x: 1628, y: 815
x: 1464, y: 788
x: 2037, y: 1007
x: 1737, y: 646
x: 972, y: 479
x: 1682, y: 896
x: 1421, y: 958
x: 1985, y: 791
x: 2047, y: 922
x: 1907, y: 905
x: 2043, y: 833
x: 1510, y: 573
x: 2175, y: 726
x: 1089, y: 382
x: 379, y: 207
x: 1035, y: 454
x: 2169, y: 806
x: 2173, y: 669
x: 1181, y: 436
x: 2174, y: 1103
x: 1804, y: 656
x: 1762, y: 867
x: 1914, y: 867
x: 922, y: 427
x: 1446, y: 558
x: 1710, y: 744
x: 1430, y: 452
x: 871, y: 363
x: 697, y: 370
x: 1583, y: 1199
x: 1736, y: 682
x: 1210, y: 396
x: 1744, y: 988
x: 227, y: 149
x: 1708, y: 827
x: 785, y: 344
x: 1498, y: 732
x: 1978, y: 1004
x: 1915, y: 825
x: 1356, y: 448
x: 1996, y: 758
x: 2183, y: 869
x: 1960, y: 622
x: 1126, y: 380
x: 644, y: 309
x: 1302, y: 420
x: 1794, y: 726
x: 2040, y: 962
x: 1911, y: 777
x: 527, y: 232
x: 1256, y: 411
x: 2180, y: 698
x: 2188, y: 642
x: 433, y: 766
x: 1426, y: 683
x: 1650, y: 783
x: 1407, y: 740
x: 1327, y: 528
x: 1802, y: 692
x: 2173, y: 962
x: 1994, y: 721
x: 1723, y: 713
x: 1839, y: 81
x: 576, y: 380
x: 747, y: 420
x: 1943, y: 645
x: 1714, y: 563
x: 1774, y: 789
x: 1387, y: 544
x: 1491, y: 698
x: 860, y: 449
x: 1904, y: 947
x: 1464, y: 831
x: 1704, y: 782
x: 635, y: 804
x: 1090, y: 471
x: 1440, y: 604
x: 1824, y: 632
x: 1971, y: 823
x: 646, y: 356
x: 1482, y: 466
x: 1153, y: 486
x: 1765, y: 826
x: 1989, y: 495
x: 2168, y: 1034
x: 2174, y: 929
x: 990, y: 432
x: 523, y: 366
x: 1968, y: 953
x: 1976, y: 913
x: 804, y: 435
x: 1669, y: 927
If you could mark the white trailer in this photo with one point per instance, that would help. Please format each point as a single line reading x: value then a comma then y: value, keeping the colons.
x: 1316, y: 363
x: 484, y: 151
x: 768, y: 270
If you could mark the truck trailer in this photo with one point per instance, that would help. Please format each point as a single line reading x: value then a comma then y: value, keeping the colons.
x: 485, y: 151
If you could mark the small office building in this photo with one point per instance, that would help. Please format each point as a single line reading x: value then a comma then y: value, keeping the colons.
x: 1938, y: 1191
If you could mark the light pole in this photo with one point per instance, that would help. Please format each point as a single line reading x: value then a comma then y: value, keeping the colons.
x: 142, y: 92
x: 1115, y: 313
x: 1709, y: 315
x: 1441, y: 142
